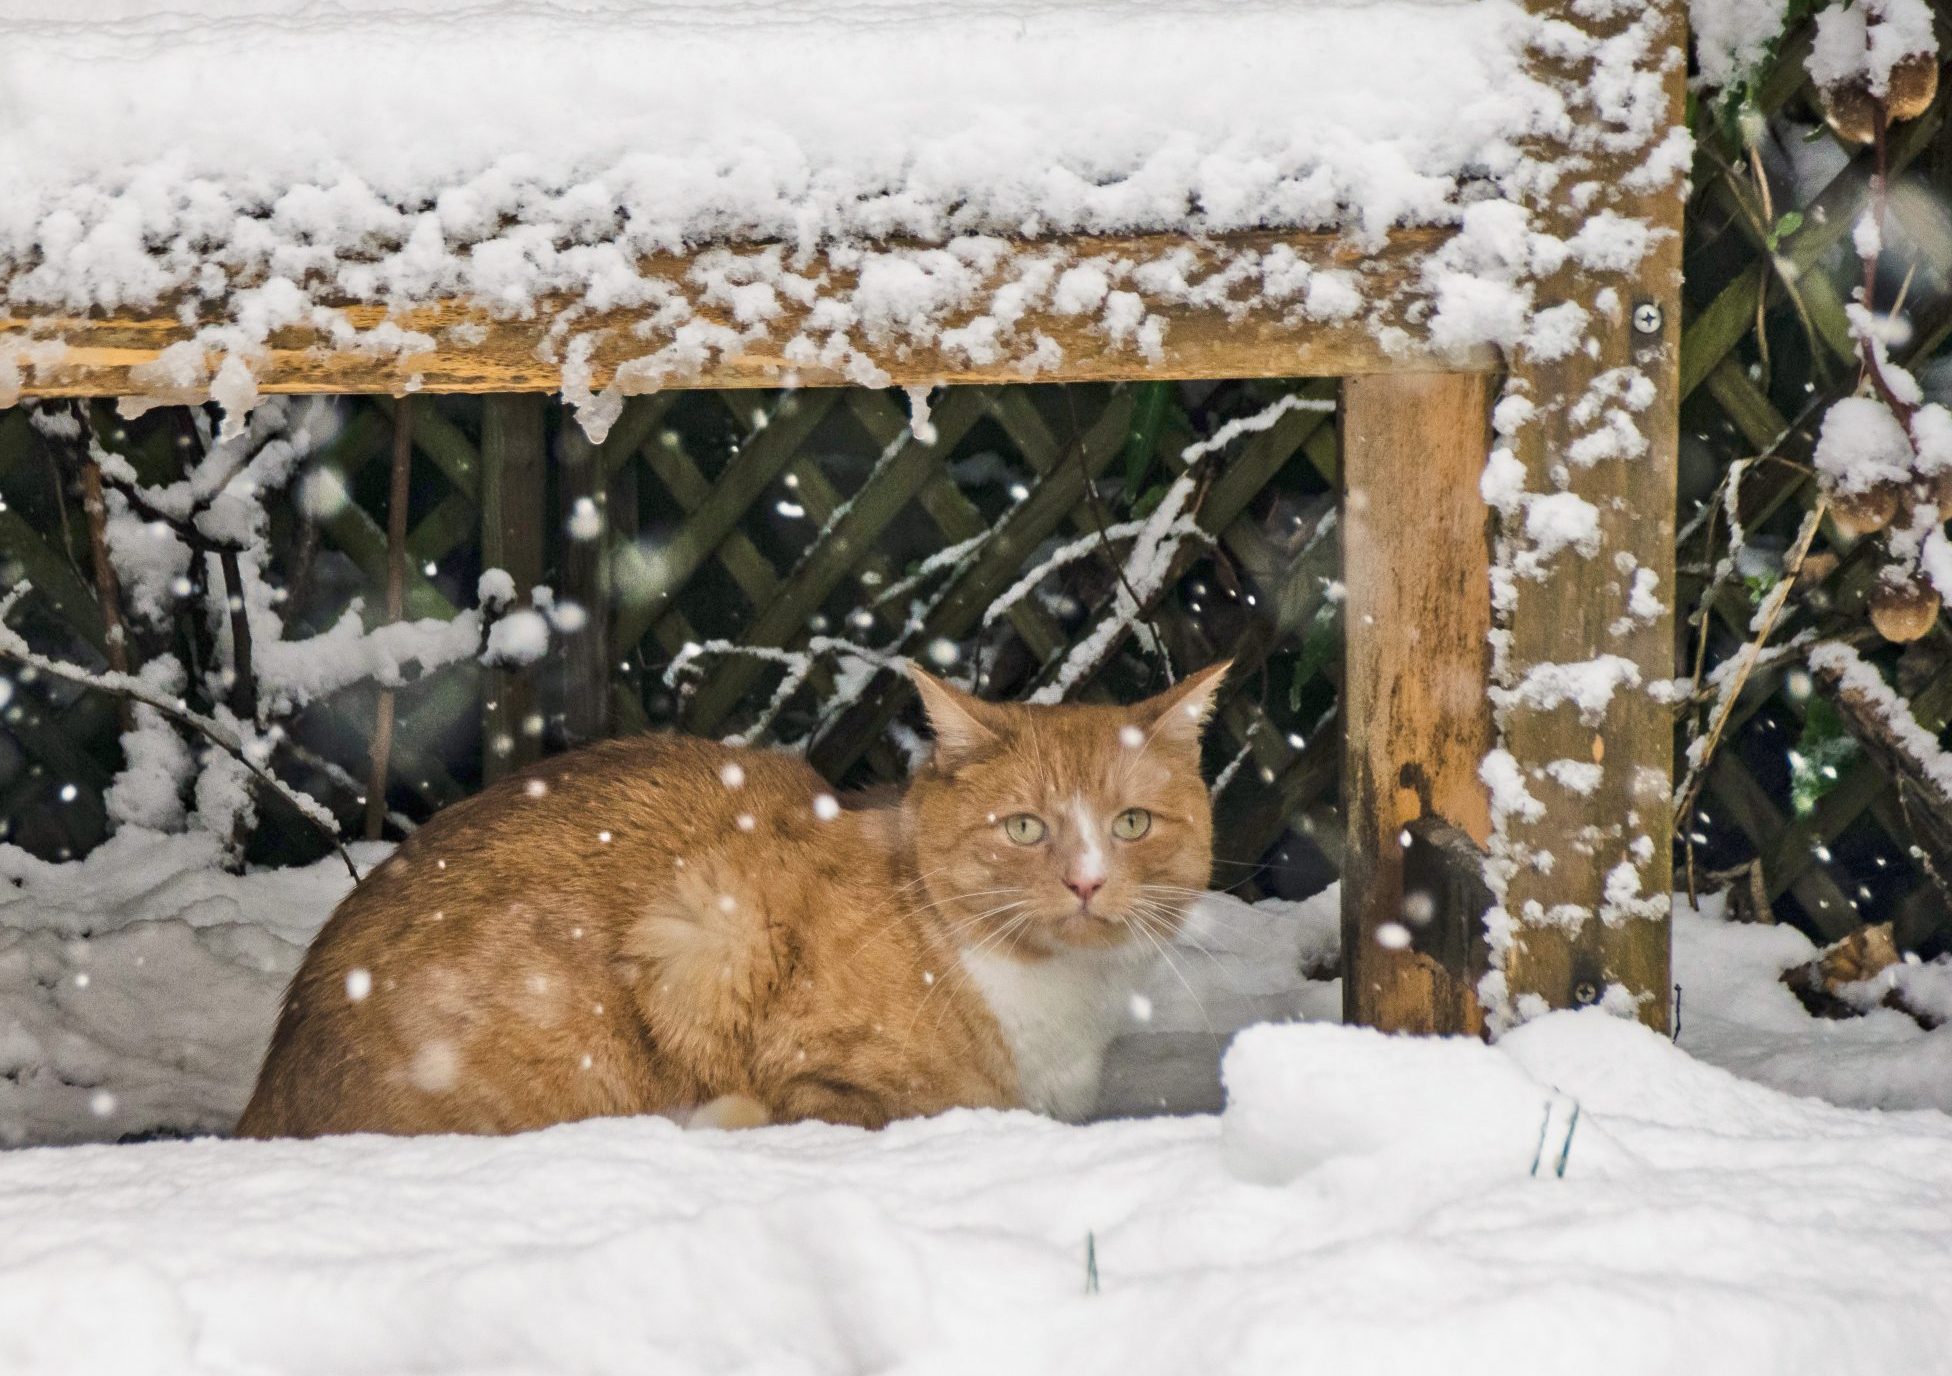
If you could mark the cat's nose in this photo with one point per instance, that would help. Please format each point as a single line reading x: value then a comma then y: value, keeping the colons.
x: 1084, y: 887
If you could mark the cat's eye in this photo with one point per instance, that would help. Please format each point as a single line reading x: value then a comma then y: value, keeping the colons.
x: 1131, y: 824
x: 1024, y: 829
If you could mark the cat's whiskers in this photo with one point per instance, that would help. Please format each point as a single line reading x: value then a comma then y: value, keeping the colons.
x: 909, y: 914
x: 959, y: 967
x: 1185, y: 898
x: 922, y: 877
x: 1179, y: 938
x: 952, y: 932
x: 1182, y: 890
x: 953, y: 924
x: 1176, y: 915
x: 1253, y: 868
x: 1005, y: 936
x: 975, y: 920
x: 1166, y: 956
x: 1229, y: 963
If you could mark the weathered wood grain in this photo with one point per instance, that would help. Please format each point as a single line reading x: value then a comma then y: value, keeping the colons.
x: 1417, y: 565
x: 476, y: 351
x: 1601, y: 854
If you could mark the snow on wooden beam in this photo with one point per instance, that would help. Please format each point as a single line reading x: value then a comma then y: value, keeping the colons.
x: 1582, y: 786
x: 1220, y: 332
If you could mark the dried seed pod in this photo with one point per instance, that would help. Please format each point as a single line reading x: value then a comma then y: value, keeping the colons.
x: 1851, y: 109
x: 1914, y: 85
x: 1865, y: 513
x: 1903, y: 611
x: 1818, y: 565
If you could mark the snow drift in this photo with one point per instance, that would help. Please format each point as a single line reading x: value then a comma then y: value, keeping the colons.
x: 1700, y: 1220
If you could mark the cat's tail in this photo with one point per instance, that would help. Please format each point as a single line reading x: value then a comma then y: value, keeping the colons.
x: 707, y: 955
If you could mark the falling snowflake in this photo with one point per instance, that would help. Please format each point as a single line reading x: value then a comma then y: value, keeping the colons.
x: 585, y: 521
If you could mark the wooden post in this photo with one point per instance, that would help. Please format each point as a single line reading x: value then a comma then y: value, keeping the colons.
x: 1582, y: 850
x: 1416, y: 567
x: 586, y: 542
x: 511, y: 539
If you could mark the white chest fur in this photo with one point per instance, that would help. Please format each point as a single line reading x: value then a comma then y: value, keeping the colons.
x: 1058, y: 1016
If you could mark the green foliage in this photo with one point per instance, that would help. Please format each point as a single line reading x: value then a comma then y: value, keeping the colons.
x: 1321, y: 646
x: 1148, y: 501
x: 1142, y: 441
x: 1786, y: 225
x: 1817, y: 762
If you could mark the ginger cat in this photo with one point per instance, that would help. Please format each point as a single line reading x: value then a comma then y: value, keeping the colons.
x: 671, y: 926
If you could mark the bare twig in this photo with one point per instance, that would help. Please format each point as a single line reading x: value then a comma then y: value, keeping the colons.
x: 396, y: 581
x: 1763, y: 224
x: 1885, y: 726
x: 58, y: 487
x: 1731, y: 691
x: 1873, y: 368
x: 108, y: 587
x: 341, y: 776
x: 183, y: 528
x: 1074, y: 449
x: 13, y: 646
x: 243, y: 676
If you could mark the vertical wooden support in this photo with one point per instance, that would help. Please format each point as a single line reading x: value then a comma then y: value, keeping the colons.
x: 512, y: 509
x: 1416, y: 566
x: 586, y: 541
x: 1586, y: 637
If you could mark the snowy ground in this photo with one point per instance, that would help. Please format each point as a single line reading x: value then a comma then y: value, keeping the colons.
x: 138, y: 989
x: 1364, y: 1203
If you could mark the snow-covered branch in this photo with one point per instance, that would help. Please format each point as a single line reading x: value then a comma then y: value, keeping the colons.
x: 228, y: 736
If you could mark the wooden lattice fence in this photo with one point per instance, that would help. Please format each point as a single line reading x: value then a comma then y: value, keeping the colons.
x: 753, y: 525
x: 1810, y: 827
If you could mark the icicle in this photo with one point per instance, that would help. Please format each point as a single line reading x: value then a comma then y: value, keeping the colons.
x: 919, y: 424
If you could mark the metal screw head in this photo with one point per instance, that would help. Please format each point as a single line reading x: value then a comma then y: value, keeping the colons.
x: 1647, y: 318
x: 1584, y: 994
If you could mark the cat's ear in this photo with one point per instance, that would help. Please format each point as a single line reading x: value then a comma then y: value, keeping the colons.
x: 1181, y: 712
x: 964, y: 726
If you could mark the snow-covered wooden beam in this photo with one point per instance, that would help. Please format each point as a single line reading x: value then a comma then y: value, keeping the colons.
x: 1215, y: 318
x: 1583, y: 475
x: 1564, y: 769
